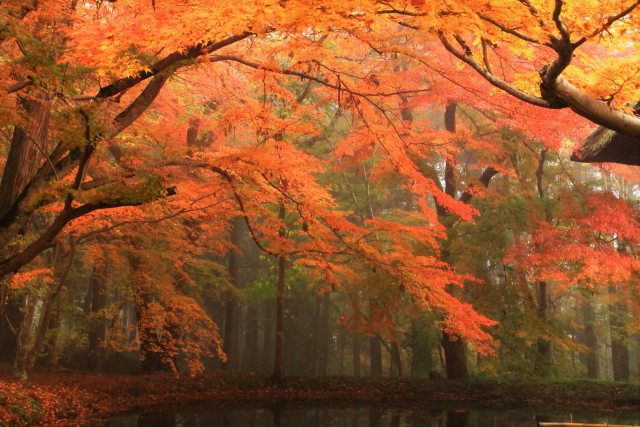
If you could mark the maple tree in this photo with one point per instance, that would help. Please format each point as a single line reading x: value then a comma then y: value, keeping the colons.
x: 143, y: 135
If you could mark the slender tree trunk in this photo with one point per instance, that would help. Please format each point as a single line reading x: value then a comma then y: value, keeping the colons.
x: 590, y: 340
x: 315, y: 349
x: 50, y: 306
x: 278, y: 372
x: 421, y: 358
x: 230, y: 343
x: 323, y: 336
x: 544, y: 346
x: 396, y: 359
x: 24, y: 340
x: 268, y: 336
x: 97, y: 331
x: 356, y: 355
x: 453, y: 347
x: 250, y: 353
x: 619, y: 348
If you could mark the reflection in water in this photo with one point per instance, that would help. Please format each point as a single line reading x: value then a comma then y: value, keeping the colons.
x: 283, y: 416
x: 457, y: 418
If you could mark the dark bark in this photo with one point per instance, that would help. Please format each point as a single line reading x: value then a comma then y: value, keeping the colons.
x: 230, y: 343
x: 251, y: 346
x: 168, y: 62
x: 455, y: 358
x: 453, y: 347
x: 324, y: 334
x: 9, y: 327
x: 619, y: 337
x: 152, y: 351
x: 97, y: 326
x: 396, y: 360
x: 26, y: 154
x: 457, y: 418
x: 278, y: 368
x: 268, y: 336
x: 375, y: 356
x: 421, y: 357
x: 590, y: 340
x: 544, y: 363
x: 542, y: 366
x: 356, y: 355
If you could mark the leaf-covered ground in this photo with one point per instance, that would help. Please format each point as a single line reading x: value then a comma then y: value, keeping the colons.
x: 51, y: 398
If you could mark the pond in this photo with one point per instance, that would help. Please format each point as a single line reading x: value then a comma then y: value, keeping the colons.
x: 323, y: 416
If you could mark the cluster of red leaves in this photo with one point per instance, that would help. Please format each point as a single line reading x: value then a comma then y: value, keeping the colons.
x: 22, y: 404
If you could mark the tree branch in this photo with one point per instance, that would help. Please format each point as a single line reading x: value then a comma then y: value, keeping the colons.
x: 167, y: 62
x: 491, y: 78
x: 607, y: 24
x: 342, y: 88
x: 508, y: 30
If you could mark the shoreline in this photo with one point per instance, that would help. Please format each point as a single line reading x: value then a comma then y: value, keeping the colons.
x: 74, y: 397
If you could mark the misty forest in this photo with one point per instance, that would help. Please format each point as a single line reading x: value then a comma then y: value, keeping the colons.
x: 331, y: 205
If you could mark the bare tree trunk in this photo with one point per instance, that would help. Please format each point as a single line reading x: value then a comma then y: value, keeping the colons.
x: 421, y: 358
x: 455, y: 358
x: 375, y: 349
x: 544, y: 346
x: 590, y: 340
x: 230, y: 343
x: 396, y: 359
x: 356, y: 355
x: 619, y: 348
x: 250, y: 353
x: 24, y: 340
x: 278, y: 372
x: 97, y: 331
x: 323, y: 336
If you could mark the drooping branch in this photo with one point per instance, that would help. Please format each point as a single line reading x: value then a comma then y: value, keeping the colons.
x: 340, y: 87
x: 68, y: 214
x: 507, y: 30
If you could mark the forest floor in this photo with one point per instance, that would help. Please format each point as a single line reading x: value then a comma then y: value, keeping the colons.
x: 76, y: 397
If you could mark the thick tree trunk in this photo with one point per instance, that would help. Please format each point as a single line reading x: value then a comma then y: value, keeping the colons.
x: 455, y: 358
x: 9, y: 328
x: 152, y: 354
x: 25, y: 157
x: 396, y: 360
